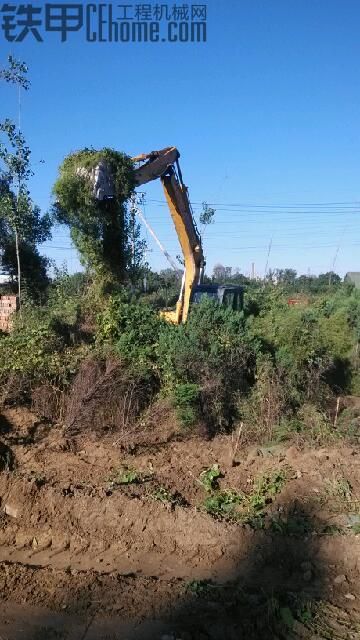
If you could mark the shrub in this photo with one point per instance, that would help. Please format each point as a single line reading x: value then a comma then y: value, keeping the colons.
x: 186, y: 401
x: 132, y: 329
x: 106, y: 396
x: 267, y: 403
x: 211, y: 352
x: 37, y: 352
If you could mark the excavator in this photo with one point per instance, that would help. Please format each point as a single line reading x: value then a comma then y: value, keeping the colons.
x: 164, y: 165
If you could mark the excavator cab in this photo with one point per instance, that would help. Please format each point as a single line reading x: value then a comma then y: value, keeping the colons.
x: 226, y: 295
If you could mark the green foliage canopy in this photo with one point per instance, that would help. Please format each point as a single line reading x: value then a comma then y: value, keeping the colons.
x: 99, y: 228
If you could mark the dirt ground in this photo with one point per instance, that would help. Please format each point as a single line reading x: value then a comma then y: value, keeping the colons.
x: 102, y: 540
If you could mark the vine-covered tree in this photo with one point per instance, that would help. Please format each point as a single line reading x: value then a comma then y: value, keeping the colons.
x: 91, y: 195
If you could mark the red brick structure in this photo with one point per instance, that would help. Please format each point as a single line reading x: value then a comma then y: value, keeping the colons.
x: 8, y: 306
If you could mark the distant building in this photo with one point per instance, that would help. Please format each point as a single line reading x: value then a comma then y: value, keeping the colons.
x: 353, y: 277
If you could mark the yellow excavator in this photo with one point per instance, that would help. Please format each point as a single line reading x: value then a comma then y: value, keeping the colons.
x: 164, y: 164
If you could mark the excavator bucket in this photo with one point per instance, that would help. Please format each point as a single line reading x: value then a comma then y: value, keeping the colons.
x: 156, y: 164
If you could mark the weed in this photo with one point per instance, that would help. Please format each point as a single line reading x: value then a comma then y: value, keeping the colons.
x: 223, y: 504
x: 7, y: 460
x: 265, y: 489
x: 238, y: 507
x: 289, y: 613
x: 304, y: 613
x: 186, y: 399
x: 172, y: 499
x: 354, y: 523
x: 163, y: 495
x: 287, y: 617
x: 209, y: 478
x: 271, y: 483
x: 296, y: 526
x: 199, y: 587
x: 339, y: 488
x: 286, y: 429
x: 332, y: 530
x: 127, y: 475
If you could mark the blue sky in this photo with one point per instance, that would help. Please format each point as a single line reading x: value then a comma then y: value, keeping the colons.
x: 265, y: 115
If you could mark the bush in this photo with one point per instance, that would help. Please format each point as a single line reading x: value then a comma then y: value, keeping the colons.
x: 37, y: 352
x: 211, y: 352
x: 106, y: 396
x: 276, y: 368
x: 186, y: 400
x: 131, y: 329
x: 267, y: 403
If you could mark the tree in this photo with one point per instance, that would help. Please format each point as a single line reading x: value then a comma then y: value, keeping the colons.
x: 20, y: 217
x: 23, y: 225
x: 137, y: 263
x: 33, y: 270
x: 206, y: 218
x: 284, y: 276
x: 91, y: 194
x: 221, y: 273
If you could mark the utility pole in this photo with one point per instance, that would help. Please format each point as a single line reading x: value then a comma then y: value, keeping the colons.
x: 253, y: 271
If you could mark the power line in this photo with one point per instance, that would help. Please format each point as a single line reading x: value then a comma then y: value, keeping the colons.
x: 272, y: 212
x: 304, y: 205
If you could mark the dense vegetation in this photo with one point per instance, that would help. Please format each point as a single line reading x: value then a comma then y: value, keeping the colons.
x: 274, y: 368
x: 98, y: 227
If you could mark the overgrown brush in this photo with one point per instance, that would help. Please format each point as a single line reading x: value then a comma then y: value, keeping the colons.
x: 212, y: 352
x: 279, y: 371
x: 106, y: 396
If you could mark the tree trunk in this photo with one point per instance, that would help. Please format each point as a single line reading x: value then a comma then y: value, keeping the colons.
x: 18, y: 265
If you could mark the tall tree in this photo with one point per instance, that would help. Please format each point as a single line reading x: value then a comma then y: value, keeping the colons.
x: 91, y: 193
x: 18, y: 211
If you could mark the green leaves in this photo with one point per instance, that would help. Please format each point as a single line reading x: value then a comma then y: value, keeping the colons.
x: 209, y: 478
x: 186, y: 400
x: 16, y: 73
x: 15, y: 154
x: 100, y: 229
x: 132, y: 329
x: 240, y: 507
x: 22, y: 224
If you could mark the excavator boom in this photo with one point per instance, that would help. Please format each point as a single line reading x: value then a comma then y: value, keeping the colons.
x: 164, y: 164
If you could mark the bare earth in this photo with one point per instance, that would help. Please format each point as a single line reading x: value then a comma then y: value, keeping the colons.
x: 84, y: 557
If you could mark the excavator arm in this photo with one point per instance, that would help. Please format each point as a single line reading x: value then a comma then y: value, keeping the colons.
x: 164, y: 164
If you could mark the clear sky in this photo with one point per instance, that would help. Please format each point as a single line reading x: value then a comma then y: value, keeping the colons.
x: 265, y: 115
